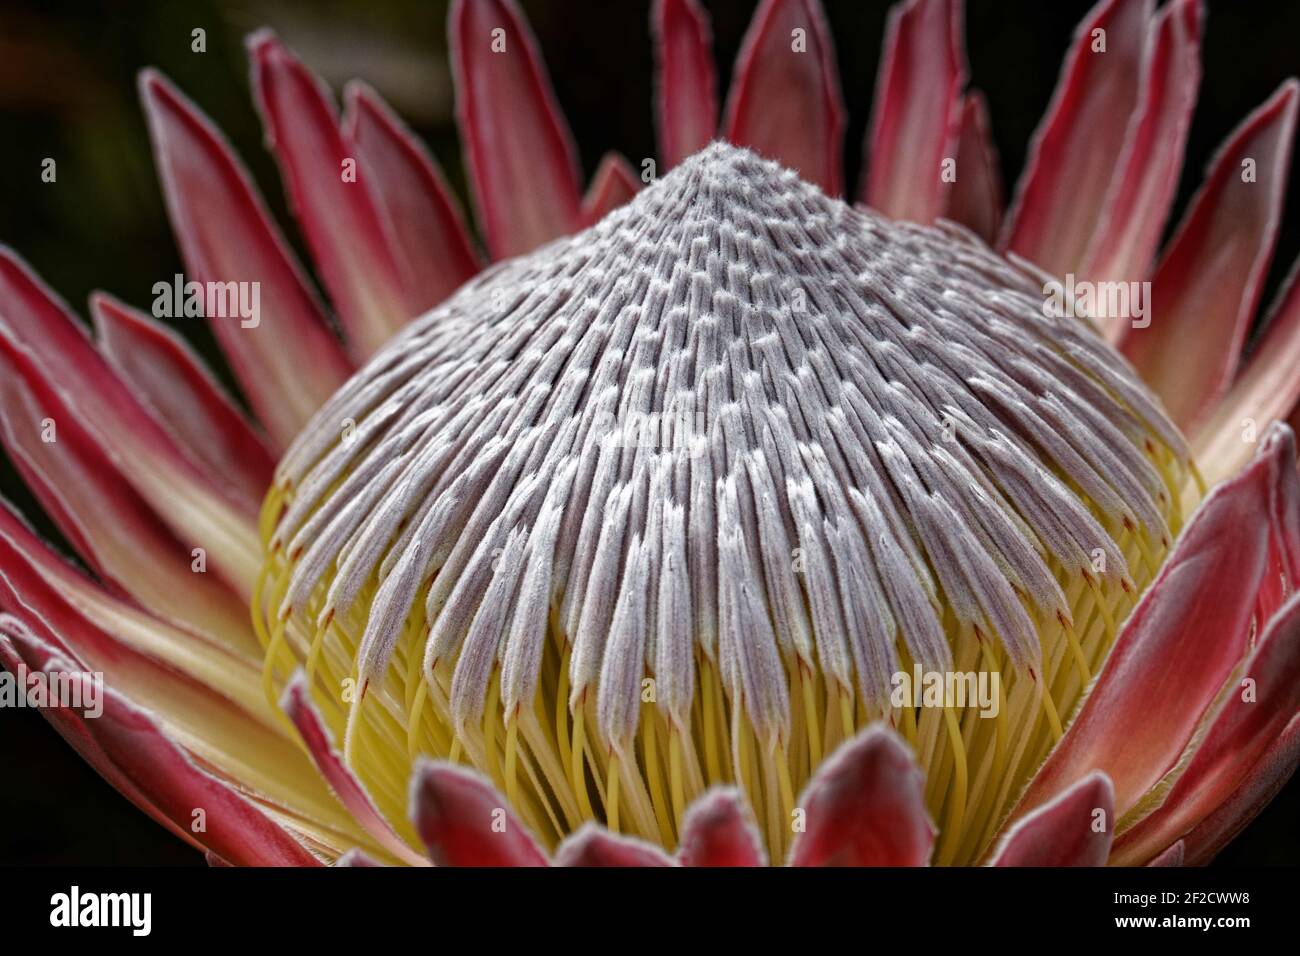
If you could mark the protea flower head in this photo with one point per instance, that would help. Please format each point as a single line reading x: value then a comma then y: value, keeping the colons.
x: 721, y: 520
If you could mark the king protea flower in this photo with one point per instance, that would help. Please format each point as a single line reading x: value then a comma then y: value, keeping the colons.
x: 621, y: 550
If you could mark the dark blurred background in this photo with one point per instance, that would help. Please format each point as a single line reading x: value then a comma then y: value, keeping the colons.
x: 67, y: 90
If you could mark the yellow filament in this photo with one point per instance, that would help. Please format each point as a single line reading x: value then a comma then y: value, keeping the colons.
x: 1049, y: 708
x: 562, y: 710
x: 269, y: 514
x: 651, y: 750
x: 846, y: 713
x: 1080, y: 662
x: 489, y: 732
x: 787, y: 787
x: 957, y: 795
x: 1104, y: 607
x: 579, y: 748
x: 710, y: 740
x: 909, y: 725
x: 413, y: 721
x: 1147, y: 556
x: 317, y: 642
x: 512, y: 758
x: 676, y: 785
x: 611, y: 801
x: 257, y: 609
x: 810, y: 714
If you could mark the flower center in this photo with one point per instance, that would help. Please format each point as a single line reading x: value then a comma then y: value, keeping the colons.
x: 693, y: 496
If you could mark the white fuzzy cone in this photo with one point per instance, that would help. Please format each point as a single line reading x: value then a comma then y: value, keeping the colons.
x: 735, y: 417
